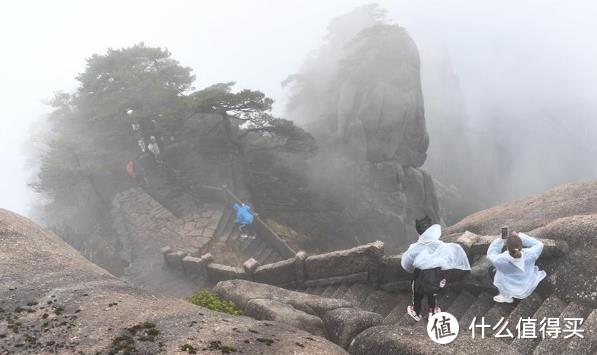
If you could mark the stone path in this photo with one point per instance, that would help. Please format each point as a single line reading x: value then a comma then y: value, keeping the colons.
x: 145, y: 226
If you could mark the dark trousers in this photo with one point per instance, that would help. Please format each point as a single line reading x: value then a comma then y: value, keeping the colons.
x: 417, y: 298
x: 246, y: 229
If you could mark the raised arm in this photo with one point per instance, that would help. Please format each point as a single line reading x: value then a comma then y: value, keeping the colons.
x: 495, y: 249
x: 532, y: 247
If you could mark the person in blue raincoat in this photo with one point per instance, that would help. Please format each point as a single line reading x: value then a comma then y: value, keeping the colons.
x: 244, y: 219
x: 430, y: 259
x: 516, y: 275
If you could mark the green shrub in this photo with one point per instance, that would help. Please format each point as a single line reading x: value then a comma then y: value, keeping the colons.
x: 212, y: 301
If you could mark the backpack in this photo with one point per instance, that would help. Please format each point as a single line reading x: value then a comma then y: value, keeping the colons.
x: 427, y: 281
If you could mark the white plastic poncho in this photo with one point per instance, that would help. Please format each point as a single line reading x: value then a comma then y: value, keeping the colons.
x: 429, y: 252
x: 516, y: 277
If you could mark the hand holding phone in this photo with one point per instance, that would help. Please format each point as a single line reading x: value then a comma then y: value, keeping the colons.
x: 504, y: 232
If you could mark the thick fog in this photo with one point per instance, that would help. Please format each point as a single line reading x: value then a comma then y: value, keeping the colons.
x: 520, y: 75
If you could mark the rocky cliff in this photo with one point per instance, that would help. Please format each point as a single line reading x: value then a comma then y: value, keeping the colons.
x: 365, y: 182
x: 52, y: 300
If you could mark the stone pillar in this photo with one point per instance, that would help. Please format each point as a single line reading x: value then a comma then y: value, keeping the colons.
x: 174, y: 259
x: 165, y: 251
x: 250, y: 265
x: 301, y: 276
x: 375, y: 269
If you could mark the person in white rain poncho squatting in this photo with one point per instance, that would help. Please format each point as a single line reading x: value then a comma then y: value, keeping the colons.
x: 430, y: 259
x: 516, y: 275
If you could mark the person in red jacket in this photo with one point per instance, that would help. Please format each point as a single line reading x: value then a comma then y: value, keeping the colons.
x: 135, y: 176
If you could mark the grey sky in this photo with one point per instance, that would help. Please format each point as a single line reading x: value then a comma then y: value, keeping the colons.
x: 514, y: 54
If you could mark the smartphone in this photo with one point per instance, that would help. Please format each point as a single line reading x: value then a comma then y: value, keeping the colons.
x: 504, y: 232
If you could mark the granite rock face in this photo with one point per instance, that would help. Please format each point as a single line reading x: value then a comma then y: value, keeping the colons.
x: 393, y: 339
x: 54, y: 300
x: 575, y: 199
x: 365, y: 183
x: 266, y: 309
x: 381, y: 99
x: 343, y: 324
x: 335, y: 318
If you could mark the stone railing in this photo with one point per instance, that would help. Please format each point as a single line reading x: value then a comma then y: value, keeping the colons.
x: 366, y: 263
x: 224, y: 195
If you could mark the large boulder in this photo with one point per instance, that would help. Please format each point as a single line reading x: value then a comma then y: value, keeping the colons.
x: 534, y: 211
x: 478, y: 244
x: 266, y: 309
x: 53, y: 300
x: 343, y: 324
x: 574, y: 229
x: 241, y: 292
x: 394, y: 339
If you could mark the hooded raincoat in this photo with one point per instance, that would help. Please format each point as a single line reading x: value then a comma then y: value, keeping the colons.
x: 244, y: 216
x: 429, y: 252
x: 516, y: 277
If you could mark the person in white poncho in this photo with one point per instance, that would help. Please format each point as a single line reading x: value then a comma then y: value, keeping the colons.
x: 430, y: 259
x: 516, y: 275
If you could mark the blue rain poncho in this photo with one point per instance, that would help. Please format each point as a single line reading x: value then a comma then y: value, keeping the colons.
x: 429, y: 252
x: 516, y: 277
x: 243, y: 214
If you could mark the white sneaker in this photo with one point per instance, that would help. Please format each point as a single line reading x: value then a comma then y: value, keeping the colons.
x: 410, y: 310
x: 243, y: 236
x: 437, y: 309
x: 252, y: 237
x: 503, y: 299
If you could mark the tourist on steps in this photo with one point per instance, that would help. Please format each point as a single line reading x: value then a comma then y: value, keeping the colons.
x: 516, y: 275
x: 136, y: 177
x: 430, y: 259
x: 244, y: 219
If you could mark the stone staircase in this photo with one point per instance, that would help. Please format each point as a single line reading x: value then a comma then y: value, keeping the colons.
x: 174, y: 199
x: 466, y: 304
x: 228, y: 233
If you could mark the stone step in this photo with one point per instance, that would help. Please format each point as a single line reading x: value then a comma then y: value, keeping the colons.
x: 447, y: 296
x: 264, y: 255
x: 329, y: 291
x: 460, y: 304
x: 499, y: 311
x: 478, y: 309
x: 230, y: 226
x: 558, y: 345
x: 259, y: 250
x: 255, y: 245
x: 309, y: 290
x: 340, y: 291
x: 243, y: 244
x: 399, y: 310
x: 272, y: 258
x: 318, y: 290
x: 226, y: 215
x: 588, y: 343
x: 233, y: 237
x: 380, y: 302
x: 444, y: 300
x: 357, y: 294
x: 524, y: 309
x: 406, y: 321
x: 551, y: 307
